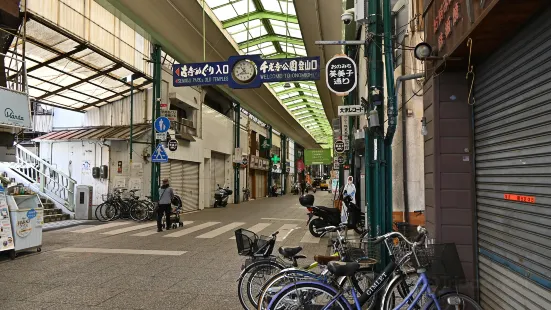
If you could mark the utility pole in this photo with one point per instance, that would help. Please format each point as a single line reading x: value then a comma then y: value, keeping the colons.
x: 236, y: 138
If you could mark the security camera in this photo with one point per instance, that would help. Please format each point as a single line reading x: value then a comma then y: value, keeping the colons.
x: 348, y: 16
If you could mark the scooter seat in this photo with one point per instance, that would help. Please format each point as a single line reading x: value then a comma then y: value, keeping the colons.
x: 342, y: 269
x: 289, y: 251
x: 330, y: 210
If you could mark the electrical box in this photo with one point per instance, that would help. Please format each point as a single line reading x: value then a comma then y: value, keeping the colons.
x: 360, y: 10
x: 83, y: 202
x: 104, y: 172
x: 95, y: 172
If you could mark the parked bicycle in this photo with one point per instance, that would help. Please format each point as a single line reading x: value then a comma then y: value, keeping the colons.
x: 246, y: 194
x: 316, y: 294
x: 115, y: 206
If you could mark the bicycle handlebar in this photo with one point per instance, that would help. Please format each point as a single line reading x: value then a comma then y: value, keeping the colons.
x: 418, y: 241
x: 275, y: 234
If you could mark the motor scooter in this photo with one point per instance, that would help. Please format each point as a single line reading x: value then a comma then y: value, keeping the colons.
x: 324, y: 216
x: 221, y: 196
x: 356, y: 218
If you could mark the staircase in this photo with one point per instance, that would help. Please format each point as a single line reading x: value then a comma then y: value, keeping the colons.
x: 51, y: 212
x: 55, y: 187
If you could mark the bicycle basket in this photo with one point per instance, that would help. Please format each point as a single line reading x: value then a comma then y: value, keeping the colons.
x: 249, y: 243
x: 361, y: 250
x: 106, y: 197
x: 442, y: 263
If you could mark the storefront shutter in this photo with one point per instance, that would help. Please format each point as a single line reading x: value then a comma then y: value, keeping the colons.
x: 190, y: 194
x: 512, y: 120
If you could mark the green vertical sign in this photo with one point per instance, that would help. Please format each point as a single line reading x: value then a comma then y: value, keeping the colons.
x: 317, y: 157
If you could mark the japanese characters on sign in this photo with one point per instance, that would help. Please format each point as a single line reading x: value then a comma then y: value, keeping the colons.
x: 339, y: 146
x: 449, y: 21
x: 345, y: 132
x: 208, y: 73
x: 351, y: 110
x: 268, y: 70
x: 341, y: 74
x: 317, y: 157
x: 280, y: 70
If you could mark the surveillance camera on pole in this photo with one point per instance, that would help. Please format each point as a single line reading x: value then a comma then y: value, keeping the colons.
x: 348, y: 16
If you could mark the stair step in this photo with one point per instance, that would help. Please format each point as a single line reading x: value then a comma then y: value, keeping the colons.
x: 52, y: 211
x: 55, y: 218
x: 48, y: 205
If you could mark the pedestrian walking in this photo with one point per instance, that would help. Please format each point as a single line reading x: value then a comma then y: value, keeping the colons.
x: 164, y: 205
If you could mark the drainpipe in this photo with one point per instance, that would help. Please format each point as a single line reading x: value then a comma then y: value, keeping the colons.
x: 236, y: 137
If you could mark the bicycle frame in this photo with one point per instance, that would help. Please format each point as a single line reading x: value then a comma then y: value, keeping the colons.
x: 425, y: 289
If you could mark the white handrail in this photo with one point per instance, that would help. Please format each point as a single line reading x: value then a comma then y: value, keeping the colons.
x: 31, y: 154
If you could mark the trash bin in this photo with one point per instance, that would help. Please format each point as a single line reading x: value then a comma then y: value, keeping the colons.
x: 27, y: 218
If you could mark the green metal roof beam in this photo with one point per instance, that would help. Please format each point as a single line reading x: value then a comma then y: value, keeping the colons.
x: 291, y: 99
x: 259, y: 15
x: 294, y: 90
x: 270, y: 38
x: 283, y: 55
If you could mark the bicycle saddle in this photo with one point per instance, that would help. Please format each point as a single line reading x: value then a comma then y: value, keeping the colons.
x: 342, y: 269
x: 289, y: 251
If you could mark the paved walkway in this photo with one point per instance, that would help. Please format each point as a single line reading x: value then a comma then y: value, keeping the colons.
x: 128, y: 265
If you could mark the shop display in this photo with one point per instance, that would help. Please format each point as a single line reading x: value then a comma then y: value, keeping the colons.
x: 6, y: 235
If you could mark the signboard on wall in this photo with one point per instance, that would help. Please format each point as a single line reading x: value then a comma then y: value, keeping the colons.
x: 14, y: 109
x: 317, y: 157
x: 172, y: 115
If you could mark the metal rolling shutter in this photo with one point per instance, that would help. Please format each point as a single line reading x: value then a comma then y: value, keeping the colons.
x: 513, y: 156
x: 165, y: 171
x: 177, y: 177
x: 220, y: 171
x: 190, y: 194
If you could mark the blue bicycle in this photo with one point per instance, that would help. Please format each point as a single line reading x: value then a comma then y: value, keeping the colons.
x: 313, y: 294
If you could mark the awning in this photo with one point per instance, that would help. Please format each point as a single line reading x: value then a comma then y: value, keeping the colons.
x: 119, y: 133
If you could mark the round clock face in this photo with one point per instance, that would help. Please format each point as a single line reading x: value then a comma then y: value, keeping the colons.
x: 244, y: 71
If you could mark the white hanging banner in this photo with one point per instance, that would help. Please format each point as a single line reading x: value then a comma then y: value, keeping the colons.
x: 345, y: 125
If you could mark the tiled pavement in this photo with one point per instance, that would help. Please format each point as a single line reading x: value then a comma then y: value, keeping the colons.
x: 70, y: 274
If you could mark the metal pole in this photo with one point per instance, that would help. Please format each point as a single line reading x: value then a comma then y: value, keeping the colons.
x: 342, y: 42
x: 155, y: 112
x: 237, y: 137
x: 392, y: 111
x: 283, y: 163
x: 131, y: 114
x: 269, y: 156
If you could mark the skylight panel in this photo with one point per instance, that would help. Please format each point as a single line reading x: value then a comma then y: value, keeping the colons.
x: 216, y: 3
x: 277, y: 89
x: 295, y: 33
x: 297, y: 108
x: 294, y: 101
x: 240, y: 37
x: 225, y: 13
x: 241, y: 7
x: 301, y: 112
x: 271, y: 5
x: 236, y: 28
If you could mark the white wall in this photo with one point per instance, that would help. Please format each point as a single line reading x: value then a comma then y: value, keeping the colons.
x: 69, y: 157
x: 67, y: 119
x: 7, y: 154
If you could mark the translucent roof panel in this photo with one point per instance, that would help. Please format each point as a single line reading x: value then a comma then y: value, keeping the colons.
x: 63, y: 73
x: 270, y: 28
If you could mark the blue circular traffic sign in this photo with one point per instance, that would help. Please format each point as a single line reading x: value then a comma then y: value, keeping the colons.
x: 162, y: 124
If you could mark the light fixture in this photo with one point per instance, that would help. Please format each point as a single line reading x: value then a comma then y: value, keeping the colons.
x: 287, y: 85
x: 424, y: 131
x: 422, y: 51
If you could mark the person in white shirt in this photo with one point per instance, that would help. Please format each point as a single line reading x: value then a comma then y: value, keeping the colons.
x: 350, y: 191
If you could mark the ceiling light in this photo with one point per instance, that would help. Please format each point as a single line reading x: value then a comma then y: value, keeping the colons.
x: 287, y: 85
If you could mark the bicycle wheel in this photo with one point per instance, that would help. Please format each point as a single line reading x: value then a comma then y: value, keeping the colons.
x: 138, y: 211
x: 279, y: 281
x: 106, y: 212
x: 308, y: 295
x: 454, y: 301
x: 398, y: 290
x: 243, y: 287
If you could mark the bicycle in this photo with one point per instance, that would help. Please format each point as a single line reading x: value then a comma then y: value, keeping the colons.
x: 336, y: 297
x: 342, y: 250
x: 246, y: 194
x: 115, y: 207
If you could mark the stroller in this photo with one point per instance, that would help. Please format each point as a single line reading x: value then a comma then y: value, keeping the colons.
x: 175, y: 219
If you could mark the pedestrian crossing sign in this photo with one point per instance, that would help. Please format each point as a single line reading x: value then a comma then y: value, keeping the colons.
x: 160, y: 155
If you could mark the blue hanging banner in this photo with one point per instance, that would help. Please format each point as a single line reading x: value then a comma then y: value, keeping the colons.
x: 247, y: 71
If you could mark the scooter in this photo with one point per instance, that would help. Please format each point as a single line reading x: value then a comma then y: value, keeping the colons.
x: 295, y: 189
x: 356, y: 218
x: 221, y: 196
x: 324, y: 216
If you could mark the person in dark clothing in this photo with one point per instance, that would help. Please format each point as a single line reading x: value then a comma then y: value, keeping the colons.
x: 165, y: 205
